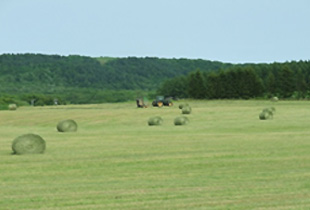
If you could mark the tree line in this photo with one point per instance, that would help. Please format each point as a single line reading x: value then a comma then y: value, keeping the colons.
x: 284, y: 80
x: 77, y: 79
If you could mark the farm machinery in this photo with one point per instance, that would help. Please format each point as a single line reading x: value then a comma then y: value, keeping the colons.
x: 141, y: 103
x: 162, y: 101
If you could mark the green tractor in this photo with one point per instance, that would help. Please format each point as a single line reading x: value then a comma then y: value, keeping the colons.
x: 162, y: 101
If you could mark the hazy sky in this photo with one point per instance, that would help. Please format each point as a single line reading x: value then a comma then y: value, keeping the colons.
x: 235, y: 31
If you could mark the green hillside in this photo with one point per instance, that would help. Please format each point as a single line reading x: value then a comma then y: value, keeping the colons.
x: 80, y: 79
x: 48, y: 73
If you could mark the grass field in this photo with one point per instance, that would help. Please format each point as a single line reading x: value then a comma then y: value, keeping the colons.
x: 225, y: 158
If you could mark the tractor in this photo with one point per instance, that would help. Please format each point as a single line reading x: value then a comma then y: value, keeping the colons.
x: 162, y: 101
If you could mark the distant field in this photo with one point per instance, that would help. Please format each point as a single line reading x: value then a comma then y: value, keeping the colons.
x: 225, y: 158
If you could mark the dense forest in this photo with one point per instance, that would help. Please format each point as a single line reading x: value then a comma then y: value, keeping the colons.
x: 290, y: 80
x: 41, y: 79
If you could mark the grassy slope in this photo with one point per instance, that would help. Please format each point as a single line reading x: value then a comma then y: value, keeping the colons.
x: 226, y: 158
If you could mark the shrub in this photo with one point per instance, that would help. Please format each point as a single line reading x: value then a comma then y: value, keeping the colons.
x: 28, y: 144
x: 67, y: 126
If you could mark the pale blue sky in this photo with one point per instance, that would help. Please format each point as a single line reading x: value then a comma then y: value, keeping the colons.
x: 235, y: 31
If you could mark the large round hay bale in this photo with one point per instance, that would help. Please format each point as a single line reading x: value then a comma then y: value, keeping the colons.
x: 262, y: 116
x: 67, y: 126
x: 155, y: 121
x: 183, y: 105
x: 265, y: 115
x: 186, y: 110
x: 12, y: 107
x: 28, y: 144
x: 181, y: 120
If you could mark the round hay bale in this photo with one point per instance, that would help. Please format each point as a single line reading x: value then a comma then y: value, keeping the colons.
x: 181, y: 120
x: 274, y: 99
x: 155, y: 121
x: 186, y: 110
x: 12, y: 107
x: 28, y: 144
x: 270, y: 110
x: 183, y: 105
x: 265, y: 115
x: 67, y: 126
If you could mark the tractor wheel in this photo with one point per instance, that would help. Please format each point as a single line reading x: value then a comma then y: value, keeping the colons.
x: 160, y: 104
x: 170, y: 104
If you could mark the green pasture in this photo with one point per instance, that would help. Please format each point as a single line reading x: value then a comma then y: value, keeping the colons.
x: 225, y: 158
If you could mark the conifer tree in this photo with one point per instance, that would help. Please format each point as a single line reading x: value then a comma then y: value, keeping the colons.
x: 271, y: 86
x: 286, y: 82
x: 196, y: 87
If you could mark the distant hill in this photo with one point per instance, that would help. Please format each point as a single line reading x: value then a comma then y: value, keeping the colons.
x: 81, y: 79
x: 20, y: 73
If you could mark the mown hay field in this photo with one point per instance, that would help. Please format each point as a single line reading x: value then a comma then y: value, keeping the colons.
x: 224, y: 158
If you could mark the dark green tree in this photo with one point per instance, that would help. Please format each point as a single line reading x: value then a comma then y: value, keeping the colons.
x: 252, y: 85
x: 175, y: 87
x: 301, y: 84
x: 242, y: 83
x: 270, y: 84
x: 286, y: 82
x: 196, y: 85
x: 211, y: 81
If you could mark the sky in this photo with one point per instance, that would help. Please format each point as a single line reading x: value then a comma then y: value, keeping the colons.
x: 235, y: 31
